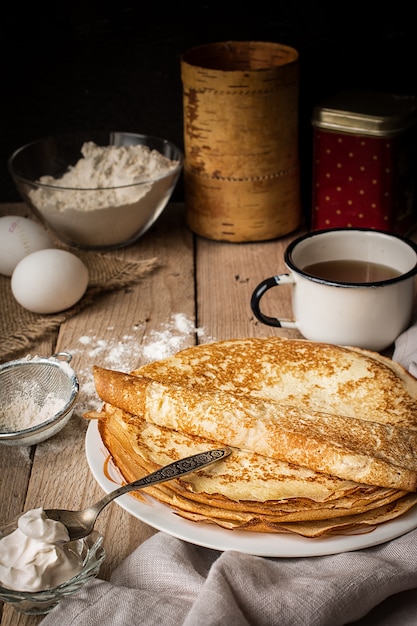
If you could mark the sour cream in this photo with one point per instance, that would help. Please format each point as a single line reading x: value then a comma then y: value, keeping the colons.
x: 36, y: 555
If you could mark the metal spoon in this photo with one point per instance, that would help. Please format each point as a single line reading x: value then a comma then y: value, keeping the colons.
x: 80, y: 523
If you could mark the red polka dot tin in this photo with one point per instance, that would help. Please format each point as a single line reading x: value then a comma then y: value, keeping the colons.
x: 365, y: 162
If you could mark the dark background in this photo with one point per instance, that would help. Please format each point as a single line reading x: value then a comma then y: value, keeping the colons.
x: 116, y: 65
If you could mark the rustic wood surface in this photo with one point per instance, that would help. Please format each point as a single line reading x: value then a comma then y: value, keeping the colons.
x: 207, y: 282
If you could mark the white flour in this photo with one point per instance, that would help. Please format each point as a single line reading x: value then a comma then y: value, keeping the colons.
x: 24, y: 412
x: 104, y: 167
x: 129, y: 352
x: 123, y: 353
x: 99, y: 202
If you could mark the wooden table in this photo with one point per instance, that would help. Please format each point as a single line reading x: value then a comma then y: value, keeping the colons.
x: 205, y: 282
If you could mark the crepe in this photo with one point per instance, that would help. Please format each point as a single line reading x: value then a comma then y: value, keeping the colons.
x: 323, y: 437
x: 243, y: 476
x: 360, y: 450
x: 323, y: 377
x: 232, y: 493
x: 352, y: 524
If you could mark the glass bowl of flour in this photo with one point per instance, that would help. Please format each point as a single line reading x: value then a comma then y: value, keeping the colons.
x: 97, y: 190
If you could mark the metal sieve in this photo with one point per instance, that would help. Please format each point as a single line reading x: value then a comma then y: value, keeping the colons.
x: 26, y: 387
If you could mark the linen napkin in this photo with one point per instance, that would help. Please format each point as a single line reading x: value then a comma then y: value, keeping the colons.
x: 405, y: 350
x: 169, y: 582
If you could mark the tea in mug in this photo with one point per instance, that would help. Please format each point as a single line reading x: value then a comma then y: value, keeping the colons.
x: 351, y: 271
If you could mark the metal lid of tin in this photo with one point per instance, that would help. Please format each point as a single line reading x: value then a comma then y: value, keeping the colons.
x: 367, y: 113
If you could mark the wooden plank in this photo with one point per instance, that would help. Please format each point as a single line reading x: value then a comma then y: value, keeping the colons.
x: 227, y: 275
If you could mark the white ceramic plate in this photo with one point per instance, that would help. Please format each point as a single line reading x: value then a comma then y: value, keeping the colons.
x: 161, y: 517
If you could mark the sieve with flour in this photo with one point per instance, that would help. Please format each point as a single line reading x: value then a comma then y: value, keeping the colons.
x: 37, y: 398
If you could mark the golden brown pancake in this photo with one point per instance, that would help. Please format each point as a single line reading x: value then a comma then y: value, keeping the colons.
x: 323, y: 437
x: 343, y: 508
x: 360, y: 450
x: 244, y: 476
x: 322, y: 377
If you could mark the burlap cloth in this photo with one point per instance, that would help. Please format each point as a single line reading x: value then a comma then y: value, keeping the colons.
x: 19, y: 328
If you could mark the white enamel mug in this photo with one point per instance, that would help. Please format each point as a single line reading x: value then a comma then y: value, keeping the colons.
x: 368, y: 315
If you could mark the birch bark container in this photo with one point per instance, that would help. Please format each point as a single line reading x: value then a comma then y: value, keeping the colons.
x: 241, y: 170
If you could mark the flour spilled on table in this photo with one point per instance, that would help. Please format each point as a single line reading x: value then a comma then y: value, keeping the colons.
x: 124, y: 354
x: 129, y: 352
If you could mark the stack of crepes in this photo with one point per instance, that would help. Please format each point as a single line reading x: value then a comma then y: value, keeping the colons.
x: 323, y: 437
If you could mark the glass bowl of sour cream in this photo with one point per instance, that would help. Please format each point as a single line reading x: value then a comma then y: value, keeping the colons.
x: 39, y: 566
x: 97, y: 190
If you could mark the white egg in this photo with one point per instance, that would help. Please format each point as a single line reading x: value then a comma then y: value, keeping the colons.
x: 20, y: 236
x: 49, y: 281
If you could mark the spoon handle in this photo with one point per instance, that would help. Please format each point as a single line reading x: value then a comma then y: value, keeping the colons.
x: 168, y: 472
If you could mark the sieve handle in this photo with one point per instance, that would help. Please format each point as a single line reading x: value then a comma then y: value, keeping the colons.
x: 66, y: 356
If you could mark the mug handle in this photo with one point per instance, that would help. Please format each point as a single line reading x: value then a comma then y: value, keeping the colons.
x: 261, y: 289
